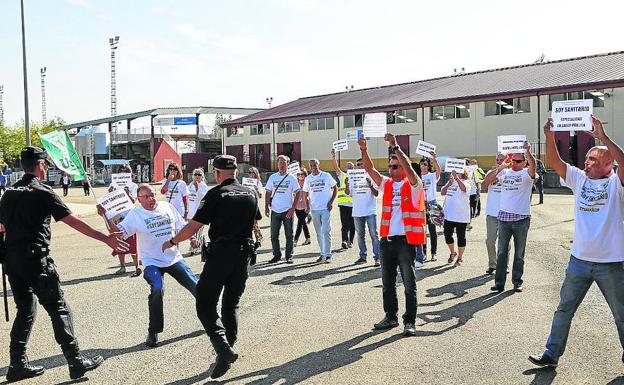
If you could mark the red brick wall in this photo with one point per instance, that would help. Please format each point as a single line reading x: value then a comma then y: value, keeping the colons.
x: 163, y: 155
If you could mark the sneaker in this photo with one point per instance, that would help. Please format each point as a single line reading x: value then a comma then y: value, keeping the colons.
x: 386, y: 323
x: 360, y: 261
x: 518, y: 288
x: 409, y: 329
x: 345, y: 245
x: 306, y: 242
x: 377, y: 263
x: 543, y: 360
x: 274, y: 260
x: 418, y: 264
x: 328, y: 260
x: 490, y: 271
x: 497, y: 288
x: 151, y: 340
x: 290, y: 260
x: 122, y: 270
x: 320, y: 259
x: 433, y: 258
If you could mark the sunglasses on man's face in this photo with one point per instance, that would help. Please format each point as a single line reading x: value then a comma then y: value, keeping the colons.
x: 518, y: 160
x: 393, y: 166
x: 197, y: 174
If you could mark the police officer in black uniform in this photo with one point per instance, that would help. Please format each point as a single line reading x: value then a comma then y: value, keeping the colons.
x: 25, y: 213
x: 230, y: 209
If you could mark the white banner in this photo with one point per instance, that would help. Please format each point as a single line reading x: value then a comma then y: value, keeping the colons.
x: 375, y: 125
x: 294, y: 168
x: 358, y: 177
x: 572, y: 115
x: 511, y: 144
x: 121, y: 180
x: 457, y: 165
x: 115, y: 203
x: 340, y: 145
x: 250, y: 182
x: 425, y: 149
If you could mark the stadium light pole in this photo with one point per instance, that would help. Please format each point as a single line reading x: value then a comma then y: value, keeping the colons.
x: 113, y: 41
x: 1, y: 106
x: 26, y: 116
x: 44, y: 117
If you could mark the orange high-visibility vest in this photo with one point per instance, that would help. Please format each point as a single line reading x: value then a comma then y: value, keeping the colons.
x: 414, y: 218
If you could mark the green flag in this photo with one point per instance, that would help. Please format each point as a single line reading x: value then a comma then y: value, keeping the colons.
x: 63, y: 153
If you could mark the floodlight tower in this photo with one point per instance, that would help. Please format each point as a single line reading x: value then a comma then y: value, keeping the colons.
x: 44, y: 118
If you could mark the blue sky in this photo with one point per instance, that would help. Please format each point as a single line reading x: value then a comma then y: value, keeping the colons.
x: 236, y: 53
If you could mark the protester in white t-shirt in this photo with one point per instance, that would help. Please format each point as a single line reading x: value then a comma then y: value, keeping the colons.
x: 254, y: 174
x: 155, y: 223
x: 456, y: 214
x: 492, y: 207
x: 364, y: 193
x: 514, y: 214
x: 430, y: 172
x: 322, y: 190
x: 282, y: 192
x: 197, y: 189
x: 174, y: 190
x: 598, y: 246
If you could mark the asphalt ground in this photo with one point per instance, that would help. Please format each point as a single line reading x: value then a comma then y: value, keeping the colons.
x: 310, y: 323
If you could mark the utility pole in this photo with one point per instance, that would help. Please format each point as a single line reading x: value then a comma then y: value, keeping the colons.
x: 113, y: 41
x: 44, y: 118
x: 26, y: 115
x: 1, y: 106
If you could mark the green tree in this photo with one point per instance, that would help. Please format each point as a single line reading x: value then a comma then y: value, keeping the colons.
x: 13, y: 138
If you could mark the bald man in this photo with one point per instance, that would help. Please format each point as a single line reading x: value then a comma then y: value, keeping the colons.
x: 598, y: 247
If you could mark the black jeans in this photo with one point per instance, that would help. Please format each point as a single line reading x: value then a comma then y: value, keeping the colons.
x: 347, y: 223
x: 539, y: 186
x: 397, y: 252
x: 276, y: 223
x: 38, y: 277
x: 475, y: 205
x: 433, y: 237
x: 459, y: 228
x: 301, y: 225
x: 225, y: 271
x: 65, y: 189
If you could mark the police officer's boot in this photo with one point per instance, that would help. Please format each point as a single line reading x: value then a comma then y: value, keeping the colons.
x: 224, y: 362
x: 79, y: 364
x: 20, y: 369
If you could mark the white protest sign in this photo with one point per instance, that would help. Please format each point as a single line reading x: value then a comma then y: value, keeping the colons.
x: 358, y: 177
x: 115, y: 203
x: 511, y: 144
x: 294, y: 168
x: 121, y: 180
x: 457, y: 165
x: 572, y: 115
x: 375, y: 125
x: 425, y: 149
x: 340, y: 145
x: 250, y: 182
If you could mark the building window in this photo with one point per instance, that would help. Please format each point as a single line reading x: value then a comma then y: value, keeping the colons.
x: 234, y: 131
x: 284, y: 127
x: 348, y: 121
x: 451, y: 111
x: 260, y: 129
x: 359, y: 120
x: 507, y: 106
x: 402, y: 116
x: 321, y: 124
x: 596, y: 95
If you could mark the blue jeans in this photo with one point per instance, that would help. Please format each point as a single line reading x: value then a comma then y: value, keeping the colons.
x: 276, y: 223
x: 578, y: 278
x: 371, y: 222
x: 181, y: 272
x: 398, y: 253
x: 518, y: 230
x: 420, y: 254
x: 322, y: 224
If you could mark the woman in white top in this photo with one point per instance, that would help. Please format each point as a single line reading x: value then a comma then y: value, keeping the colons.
x: 456, y: 214
x: 174, y: 189
x: 255, y: 174
x: 430, y: 180
x: 197, y: 189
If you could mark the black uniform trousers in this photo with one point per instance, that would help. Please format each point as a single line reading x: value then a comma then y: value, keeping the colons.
x: 224, y: 271
x: 38, y: 277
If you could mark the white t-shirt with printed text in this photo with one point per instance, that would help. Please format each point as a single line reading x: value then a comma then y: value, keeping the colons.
x: 599, y: 217
x: 282, y: 199
x: 430, y: 181
x: 457, y: 203
x: 364, y: 202
x: 396, y: 218
x: 516, y: 189
x: 174, y: 195
x: 492, y: 205
x: 195, y: 195
x: 319, y: 187
x: 153, y: 228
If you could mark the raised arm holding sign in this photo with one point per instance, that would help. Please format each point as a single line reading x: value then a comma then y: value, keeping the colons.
x: 572, y: 115
x: 425, y: 149
x: 375, y: 125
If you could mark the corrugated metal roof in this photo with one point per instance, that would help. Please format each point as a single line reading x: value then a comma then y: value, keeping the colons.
x: 575, y: 72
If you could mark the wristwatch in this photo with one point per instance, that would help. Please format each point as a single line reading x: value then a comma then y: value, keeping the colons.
x: 172, y: 242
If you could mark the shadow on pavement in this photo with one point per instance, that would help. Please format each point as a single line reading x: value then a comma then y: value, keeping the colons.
x: 459, y: 289
x: 304, y: 367
x: 543, y: 376
x: 314, y: 275
x: 59, y: 359
x: 619, y: 380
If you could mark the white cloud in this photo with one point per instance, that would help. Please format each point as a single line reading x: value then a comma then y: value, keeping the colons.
x: 233, y: 44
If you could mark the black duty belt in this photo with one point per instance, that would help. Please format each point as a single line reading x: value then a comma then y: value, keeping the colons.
x: 394, y: 238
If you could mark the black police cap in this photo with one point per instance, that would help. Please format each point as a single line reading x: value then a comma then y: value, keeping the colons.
x: 224, y: 162
x: 32, y: 154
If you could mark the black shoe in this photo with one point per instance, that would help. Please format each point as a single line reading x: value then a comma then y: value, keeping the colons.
x: 274, y: 260
x: 377, y: 263
x: 518, y: 287
x: 543, y: 360
x: 409, y: 329
x: 290, y: 260
x: 386, y: 323
x: 497, y: 288
x: 22, y: 370
x: 151, y: 340
x: 81, y: 365
x: 349, y: 244
x: 257, y: 245
x: 345, y: 245
x: 490, y: 271
x: 223, y: 363
x: 360, y: 261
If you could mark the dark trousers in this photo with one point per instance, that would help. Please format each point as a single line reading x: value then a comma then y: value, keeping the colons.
x: 519, y: 231
x: 276, y: 223
x: 302, y: 225
x: 224, y: 271
x: 539, y: 187
x: 433, y: 237
x: 475, y: 205
x: 459, y: 229
x: 347, y: 223
x: 65, y: 189
x: 30, y: 278
x: 398, y: 252
x: 85, y: 188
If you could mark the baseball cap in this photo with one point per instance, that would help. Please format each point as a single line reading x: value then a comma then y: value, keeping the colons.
x: 224, y: 162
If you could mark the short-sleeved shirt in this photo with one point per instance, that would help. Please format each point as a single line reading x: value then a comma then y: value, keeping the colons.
x: 457, y: 203
x: 195, y: 196
x: 396, y: 218
x: 282, y: 188
x: 599, y: 220
x: 26, y: 211
x: 364, y: 202
x: 175, y: 191
x: 430, y: 181
x: 319, y: 188
x: 153, y: 228
x: 493, y: 198
x: 517, y: 187
x: 230, y: 209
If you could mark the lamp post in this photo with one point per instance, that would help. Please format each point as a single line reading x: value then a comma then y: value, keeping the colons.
x: 113, y: 41
x: 26, y: 115
x: 1, y: 107
x: 44, y: 118
x: 269, y: 101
